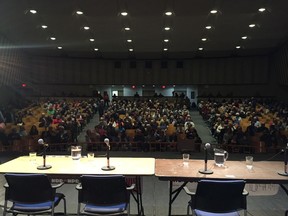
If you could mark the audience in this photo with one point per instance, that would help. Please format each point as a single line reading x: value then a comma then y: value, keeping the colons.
x: 233, y: 121
x: 265, y: 117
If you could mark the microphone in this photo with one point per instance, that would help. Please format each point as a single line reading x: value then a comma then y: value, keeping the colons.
x: 41, y: 141
x: 284, y: 173
x: 205, y: 170
x: 108, y: 167
x: 44, y: 166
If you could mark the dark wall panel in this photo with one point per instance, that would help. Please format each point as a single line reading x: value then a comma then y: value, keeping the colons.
x: 220, y: 71
x: 13, y: 64
x: 280, y: 65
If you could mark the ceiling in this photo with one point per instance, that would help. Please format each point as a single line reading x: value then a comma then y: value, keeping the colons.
x: 146, y: 19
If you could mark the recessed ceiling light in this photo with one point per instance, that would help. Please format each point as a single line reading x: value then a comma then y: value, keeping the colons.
x: 79, y: 12
x: 244, y: 37
x: 200, y: 48
x: 208, y: 27
x: 86, y: 27
x: 167, y: 28
x: 131, y: 50
x: 124, y: 13
x: 213, y: 11
x: 204, y: 39
x: 127, y: 29
x: 166, y: 40
x: 96, y: 49
x: 59, y: 47
x: 92, y: 39
x: 252, y: 25
x: 165, y: 49
x: 262, y: 9
x: 129, y: 40
x: 168, y: 13
x: 238, y: 47
x: 44, y: 26
x: 33, y: 11
x: 52, y: 38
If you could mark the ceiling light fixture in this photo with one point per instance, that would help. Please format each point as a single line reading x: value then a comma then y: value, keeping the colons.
x: 52, y: 38
x: 244, y: 37
x: 129, y: 40
x: 33, y: 11
x: 238, y: 47
x: 124, y: 13
x: 168, y: 13
x: 167, y: 28
x: 213, y: 11
x: 86, y: 27
x: 252, y: 25
x: 131, y: 50
x: 166, y: 40
x: 92, y: 39
x: 200, y: 48
x: 59, y: 47
x: 208, y: 27
x: 127, y: 29
x: 204, y: 39
x: 96, y: 49
x: 79, y: 12
x: 44, y: 26
x: 262, y: 9
x: 165, y: 49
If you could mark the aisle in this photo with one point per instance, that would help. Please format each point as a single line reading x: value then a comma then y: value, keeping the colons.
x: 202, y: 128
x: 93, y: 122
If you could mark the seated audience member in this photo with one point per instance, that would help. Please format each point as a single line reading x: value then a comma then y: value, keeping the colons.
x: 51, y: 111
x: 13, y: 135
x: 57, y: 120
x: 92, y: 136
x: 49, y: 135
x: 33, y: 130
x: 45, y: 121
x: 140, y: 139
x: 22, y: 131
x: 3, y: 137
x: 62, y: 135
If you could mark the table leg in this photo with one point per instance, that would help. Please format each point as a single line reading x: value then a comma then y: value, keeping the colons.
x: 175, y: 192
x: 137, y: 196
x: 139, y: 189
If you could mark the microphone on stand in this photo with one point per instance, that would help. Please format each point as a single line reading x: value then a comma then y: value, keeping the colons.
x: 45, y: 146
x: 284, y: 173
x: 205, y: 170
x: 108, y: 167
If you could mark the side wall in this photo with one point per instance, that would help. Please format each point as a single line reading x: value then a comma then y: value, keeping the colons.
x: 13, y: 71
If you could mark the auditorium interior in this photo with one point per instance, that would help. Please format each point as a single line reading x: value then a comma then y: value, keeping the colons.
x: 159, y: 78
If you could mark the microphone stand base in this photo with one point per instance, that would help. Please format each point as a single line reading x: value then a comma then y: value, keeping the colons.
x: 44, y: 167
x: 283, y: 173
x: 203, y: 171
x: 108, y: 168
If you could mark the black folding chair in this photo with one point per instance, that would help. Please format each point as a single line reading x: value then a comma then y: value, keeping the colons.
x: 103, y: 195
x: 215, y: 198
x: 31, y: 194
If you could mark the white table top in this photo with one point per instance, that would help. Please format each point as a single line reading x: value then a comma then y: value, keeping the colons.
x: 65, y: 165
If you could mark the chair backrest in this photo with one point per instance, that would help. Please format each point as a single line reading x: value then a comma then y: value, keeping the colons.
x: 103, y: 189
x: 220, y: 196
x: 29, y: 188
